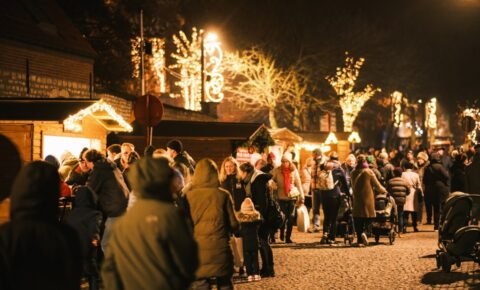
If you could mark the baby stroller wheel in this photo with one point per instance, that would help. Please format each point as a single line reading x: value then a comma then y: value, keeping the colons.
x: 377, y: 238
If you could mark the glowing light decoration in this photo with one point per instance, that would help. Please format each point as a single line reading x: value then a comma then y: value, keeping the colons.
x: 74, y: 122
x: 354, y: 137
x: 157, y: 60
x: 475, y: 114
x: 331, y: 139
x: 397, y: 99
x: 431, y: 114
x: 312, y: 146
x: 188, y: 57
x: 343, y: 83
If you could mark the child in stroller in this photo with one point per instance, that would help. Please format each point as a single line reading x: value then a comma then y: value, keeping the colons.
x: 458, y: 235
x: 384, y: 223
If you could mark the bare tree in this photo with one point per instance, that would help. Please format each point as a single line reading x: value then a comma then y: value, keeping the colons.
x: 255, y: 81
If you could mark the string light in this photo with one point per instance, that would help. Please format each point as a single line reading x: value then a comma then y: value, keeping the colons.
x: 475, y: 114
x: 188, y: 57
x: 157, y: 59
x: 397, y: 98
x: 354, y: 137
x: 74, y: 122
x: 343, y: 83
x: 331, y: 139
x: 431, y: 113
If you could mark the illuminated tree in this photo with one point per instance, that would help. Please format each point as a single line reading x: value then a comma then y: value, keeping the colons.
x: 255, y: 81
x: 343, y: 82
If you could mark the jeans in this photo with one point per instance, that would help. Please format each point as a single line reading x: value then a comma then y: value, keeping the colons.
x: 251, y: 262
x: 400, y: 218
x: 222, y: 283
x: 428, y: 207
x: 288, y: 208
x: 317, y: 201
x: 107, y: 232
x: 437, y: 207
x: 330, y: 207
x: 265, y: 250
x: 360, y: 224
x: 414, y: 218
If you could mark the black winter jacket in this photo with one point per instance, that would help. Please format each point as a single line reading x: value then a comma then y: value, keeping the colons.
x: 398, y: 189
x: 436, y: 180
x: 236, y: 189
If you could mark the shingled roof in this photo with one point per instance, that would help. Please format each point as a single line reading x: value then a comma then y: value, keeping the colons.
x: 42, y: 23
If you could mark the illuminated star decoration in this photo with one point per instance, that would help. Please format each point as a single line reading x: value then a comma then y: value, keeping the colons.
x: 343, y: 83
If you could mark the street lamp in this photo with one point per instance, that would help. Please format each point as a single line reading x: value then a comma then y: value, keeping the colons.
x: 354, y: 138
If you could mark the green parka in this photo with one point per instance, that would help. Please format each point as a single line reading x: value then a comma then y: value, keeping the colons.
x: 213, y: 219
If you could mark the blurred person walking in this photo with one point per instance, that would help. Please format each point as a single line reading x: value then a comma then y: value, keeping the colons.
x: 436, y: 180
x: 414, y: 199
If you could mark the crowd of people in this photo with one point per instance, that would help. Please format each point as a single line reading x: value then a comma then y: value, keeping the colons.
x: 164, y: 221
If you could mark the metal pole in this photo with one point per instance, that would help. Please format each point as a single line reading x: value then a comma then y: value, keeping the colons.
x: 149, y: 129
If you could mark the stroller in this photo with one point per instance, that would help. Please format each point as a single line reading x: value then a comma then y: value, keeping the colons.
x: 385, y: 222
x: 345, y: 225
x: 458, y: 238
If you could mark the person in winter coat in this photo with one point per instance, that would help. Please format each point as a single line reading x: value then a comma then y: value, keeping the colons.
x: 422, y: 163
x: 68, y: 162
x: 398, y: 189
x: 108, y: 184
x: 457, y: 173
x: 250, y: 220
x: 230, y: 180
x: 472, y: 173
x: 86, y: 220
x: 412, y: 202
x: 348, y: 166
x: 151, y: 246
x: 331, y: 198
x: 436, y: 181
x: 306, y: 178
x: 180, y: 156
x: 365, y: 186
x: 385, y: 167
x: 36, y: 250
x: 213, y: 218
x: 288, y: 191
x: 80, y: 172
x: 256, y: 187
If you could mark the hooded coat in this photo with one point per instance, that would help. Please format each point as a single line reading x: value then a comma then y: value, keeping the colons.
x: 36, y: 250
x: 436, y: 180
x: 213, y: 219
x: 365, y: 185
x: 151, y: 246
x: 107, y: 182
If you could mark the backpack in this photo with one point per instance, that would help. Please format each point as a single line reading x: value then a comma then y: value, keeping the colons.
x: 325, y: 180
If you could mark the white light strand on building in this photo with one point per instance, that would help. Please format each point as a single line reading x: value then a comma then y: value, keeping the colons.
x: 343, y: 83
x: 431, y: 114
x: 213, y: 60
x: 74, y: 122
x: 157, y: 60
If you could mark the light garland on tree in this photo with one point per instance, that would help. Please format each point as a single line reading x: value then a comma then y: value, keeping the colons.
x: 188, y: 57
x: 156, y: 60
x: 475, y: 114
x: 343, y: 83
x: 397, y: 99
x: 74, y: 122
x: 431, y: 113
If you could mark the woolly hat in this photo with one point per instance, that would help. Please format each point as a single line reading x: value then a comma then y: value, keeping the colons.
x: 247, y: 206
x: 422, y: 155
x: 176, y: 145
x: 287, y: 156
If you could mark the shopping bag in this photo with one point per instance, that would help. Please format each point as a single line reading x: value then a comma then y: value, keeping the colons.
x: 303, y: 219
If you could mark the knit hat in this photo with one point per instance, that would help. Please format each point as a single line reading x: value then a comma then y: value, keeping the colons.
x: 422, y: 155
x: 247, y: 206
x: 52, y: 160
x: 287, y: 156
x: 176, y: 145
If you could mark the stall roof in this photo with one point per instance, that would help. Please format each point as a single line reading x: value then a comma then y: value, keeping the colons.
x: 190, y: 129
x: 285, y: 134
x: 69, y: 111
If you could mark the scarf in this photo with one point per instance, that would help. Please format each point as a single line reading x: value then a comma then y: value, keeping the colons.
x: 286, y: 180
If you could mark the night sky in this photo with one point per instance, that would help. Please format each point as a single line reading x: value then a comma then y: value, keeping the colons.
x: 424, y: 48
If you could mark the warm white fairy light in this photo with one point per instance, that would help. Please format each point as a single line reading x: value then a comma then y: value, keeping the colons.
x: 475, y: 114
x: 157, y: 60
x: 74, y: 122
x: 331, y: 139
x: 397, y: 98
x: 343, y: 83
x: 188, y: 57
x: 354, y: 137
x: 431, y: 113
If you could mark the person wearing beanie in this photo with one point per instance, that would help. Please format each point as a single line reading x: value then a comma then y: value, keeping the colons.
x: 250, y: 220
x: 151, y: 246
x: 437, y: 187
x: 385, y: 167
x: 180, y: 156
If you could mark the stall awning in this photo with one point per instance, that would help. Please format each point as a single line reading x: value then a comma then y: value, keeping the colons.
x: 69, y: 111
x: 286, y: 135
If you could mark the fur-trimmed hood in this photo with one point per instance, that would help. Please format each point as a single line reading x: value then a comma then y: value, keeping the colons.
x: 248, y: 217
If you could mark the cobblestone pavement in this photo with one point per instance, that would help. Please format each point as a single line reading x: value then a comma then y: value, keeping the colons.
x: 408, y: 264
